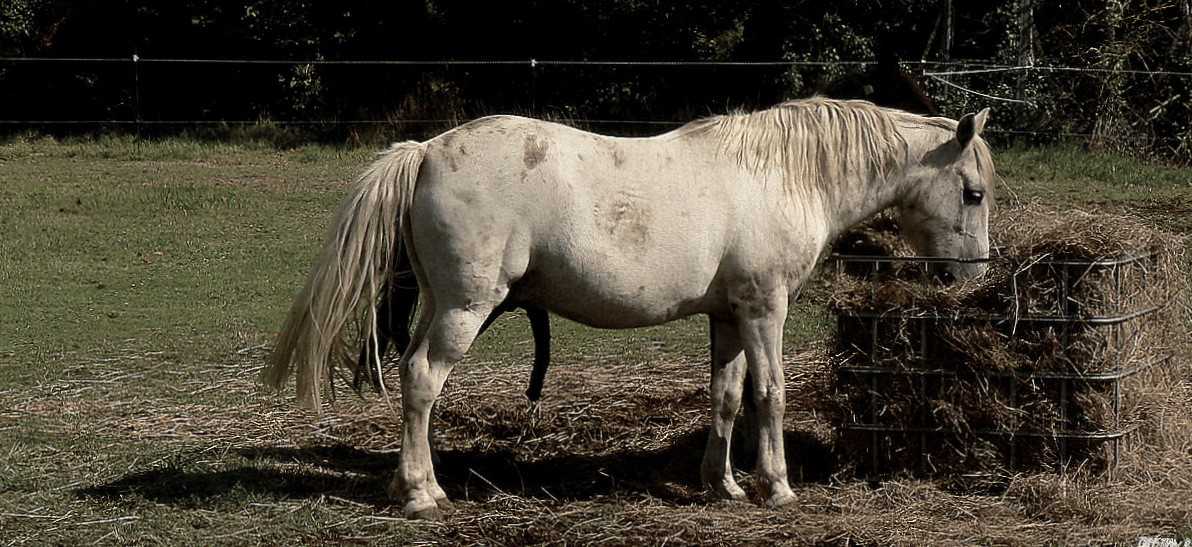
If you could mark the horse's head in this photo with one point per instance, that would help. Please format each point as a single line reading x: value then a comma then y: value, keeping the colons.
x: 945, y: 211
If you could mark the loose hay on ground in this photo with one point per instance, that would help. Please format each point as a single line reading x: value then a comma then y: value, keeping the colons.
x: 335, y: 468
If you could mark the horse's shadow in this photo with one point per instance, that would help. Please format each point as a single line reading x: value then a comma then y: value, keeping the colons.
x: 358, y: 476
x: 259, y: 474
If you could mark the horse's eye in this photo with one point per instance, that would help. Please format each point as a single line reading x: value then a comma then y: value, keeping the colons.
x: 973, y: 197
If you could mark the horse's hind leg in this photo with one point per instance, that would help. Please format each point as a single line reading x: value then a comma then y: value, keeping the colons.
x: 394, y: 313
x: 445, y: 333
x: 393, y: 325
x: 728, y: 370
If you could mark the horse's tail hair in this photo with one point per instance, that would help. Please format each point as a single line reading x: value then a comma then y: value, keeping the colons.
x: 362, y: 252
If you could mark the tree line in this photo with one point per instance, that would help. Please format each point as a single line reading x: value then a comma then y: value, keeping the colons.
x: 820, y: 41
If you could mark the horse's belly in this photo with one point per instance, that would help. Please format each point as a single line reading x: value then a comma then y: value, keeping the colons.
x: 613, y: 294
x: 616, y: 262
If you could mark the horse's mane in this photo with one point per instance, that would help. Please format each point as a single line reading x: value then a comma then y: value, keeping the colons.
x: 817, y: 141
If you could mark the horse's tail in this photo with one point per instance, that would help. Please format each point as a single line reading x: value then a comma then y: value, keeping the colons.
x: 362, y: 252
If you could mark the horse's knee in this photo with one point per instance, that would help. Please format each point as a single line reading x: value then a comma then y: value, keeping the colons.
x: 768, y: 404
x: 769, y: 393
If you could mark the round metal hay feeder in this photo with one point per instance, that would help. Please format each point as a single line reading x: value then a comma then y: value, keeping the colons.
x: 1033, y: 371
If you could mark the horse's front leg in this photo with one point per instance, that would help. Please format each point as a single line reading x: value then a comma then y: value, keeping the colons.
x: 761, y: 316
x: 728, y: 369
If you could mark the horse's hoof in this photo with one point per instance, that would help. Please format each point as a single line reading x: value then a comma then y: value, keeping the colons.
x: 423, y: 511
x: 727, y: 492
x: 780, y: 500
x: 429, y: 514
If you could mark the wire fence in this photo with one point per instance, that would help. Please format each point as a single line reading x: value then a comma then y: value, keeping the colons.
x: 532, y: 63
x: 136, y: 115
x: 145, y: 92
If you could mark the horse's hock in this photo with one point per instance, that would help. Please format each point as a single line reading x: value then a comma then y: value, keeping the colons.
x: 1067, y: 352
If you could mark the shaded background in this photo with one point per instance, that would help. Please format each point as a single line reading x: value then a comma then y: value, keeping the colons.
x: 1113, y: 72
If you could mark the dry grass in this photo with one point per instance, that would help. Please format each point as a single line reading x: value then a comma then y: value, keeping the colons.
x: 610, y: 456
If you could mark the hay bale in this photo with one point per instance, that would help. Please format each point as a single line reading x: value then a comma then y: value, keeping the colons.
x: 1038, y: 249
x: 1060, y: 347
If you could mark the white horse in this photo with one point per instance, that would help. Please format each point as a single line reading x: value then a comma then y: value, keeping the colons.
x: 725, y: 217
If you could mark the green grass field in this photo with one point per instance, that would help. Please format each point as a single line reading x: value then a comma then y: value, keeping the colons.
x: 141, y: 285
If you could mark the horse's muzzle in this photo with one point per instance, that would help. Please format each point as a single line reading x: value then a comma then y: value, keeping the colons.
x: 950, y: 272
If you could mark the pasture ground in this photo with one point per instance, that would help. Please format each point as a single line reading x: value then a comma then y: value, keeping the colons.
x: 140, y: 287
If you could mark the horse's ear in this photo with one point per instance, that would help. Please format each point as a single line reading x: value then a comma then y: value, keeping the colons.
x: 970, y: 126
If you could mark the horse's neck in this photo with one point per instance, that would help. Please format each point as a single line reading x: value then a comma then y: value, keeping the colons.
x: 855, y: 201
x: 850, y: 204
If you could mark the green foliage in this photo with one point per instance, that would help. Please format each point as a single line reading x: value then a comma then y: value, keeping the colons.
x: 1136, y: 97
x: 24, y: 25
x: 1141, y: 112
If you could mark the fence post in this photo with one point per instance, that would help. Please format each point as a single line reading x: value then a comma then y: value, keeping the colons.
x: 1026, y: 52
x: 534, y: 87
x: 136, y: 79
